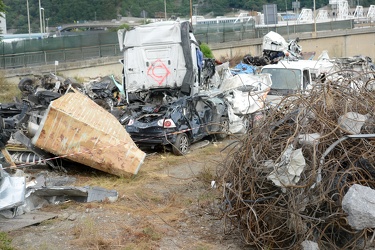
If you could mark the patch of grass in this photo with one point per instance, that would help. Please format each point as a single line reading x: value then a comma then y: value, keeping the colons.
x: 206, y: 175
x: 5, y: 242
x: 151, y: 233
x: 8, y: 90
x: 87, y: 235
x: 79, y: 79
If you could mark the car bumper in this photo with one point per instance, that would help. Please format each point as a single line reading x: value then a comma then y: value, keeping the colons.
x: 151, y: 138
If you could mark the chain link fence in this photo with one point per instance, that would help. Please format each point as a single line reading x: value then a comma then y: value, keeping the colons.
x: 25, y: 53
x: 229, y: 32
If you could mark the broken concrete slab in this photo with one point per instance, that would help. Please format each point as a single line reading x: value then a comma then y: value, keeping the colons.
x: 359, y: 203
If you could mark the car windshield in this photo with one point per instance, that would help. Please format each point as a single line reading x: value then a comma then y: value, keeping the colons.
x: 284, y: 78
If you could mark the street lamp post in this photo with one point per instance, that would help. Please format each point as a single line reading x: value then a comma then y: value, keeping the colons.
x: 314, y: 20
x: 44, y: 21
x: 191, y: 11
x: 47, y: 25
x: 28, y: 17
x: 165, y: 10
x: 40, y: 19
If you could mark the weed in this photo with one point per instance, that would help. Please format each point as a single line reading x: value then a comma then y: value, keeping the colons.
x: 5, y: 241
x: 79, y: 79
x: 8, y: 90
x: 205, y: 175
x: 151, y: 234
x: 87, y: 234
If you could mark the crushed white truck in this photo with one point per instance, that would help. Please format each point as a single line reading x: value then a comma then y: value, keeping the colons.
x: 294, y: 76
x: 161, y: 56
x: 163, y: 62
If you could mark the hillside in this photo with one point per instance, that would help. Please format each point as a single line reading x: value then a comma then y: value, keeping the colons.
x: 58, y: 12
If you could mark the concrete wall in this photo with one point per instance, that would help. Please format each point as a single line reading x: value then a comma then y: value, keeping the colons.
x: 343, y: 43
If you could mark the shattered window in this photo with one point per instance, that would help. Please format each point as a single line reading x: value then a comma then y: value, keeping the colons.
x: 284, y: 78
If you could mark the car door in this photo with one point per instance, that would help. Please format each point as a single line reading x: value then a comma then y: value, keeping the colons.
x: 194, y: 119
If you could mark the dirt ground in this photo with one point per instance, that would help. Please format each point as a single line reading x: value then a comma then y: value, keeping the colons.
x: 169, y: 205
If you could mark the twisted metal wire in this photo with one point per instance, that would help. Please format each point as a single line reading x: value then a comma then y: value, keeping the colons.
x: 270, y: 217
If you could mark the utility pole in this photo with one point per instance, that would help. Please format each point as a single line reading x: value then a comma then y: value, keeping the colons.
x: 191, y: 12
x: 40, y: 19
x: 165, y: 10
x: 28, y: 17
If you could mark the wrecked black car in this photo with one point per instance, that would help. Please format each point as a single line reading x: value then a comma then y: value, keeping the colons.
x: 179, y: 123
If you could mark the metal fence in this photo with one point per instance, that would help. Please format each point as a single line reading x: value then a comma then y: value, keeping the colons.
x: 229, y: 32
x: 24, y: 53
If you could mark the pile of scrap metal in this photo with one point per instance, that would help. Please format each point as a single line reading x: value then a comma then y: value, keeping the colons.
x: 54, y: 123
x: 275, y: 48
x: 105, y: 91
x: 305, y: 174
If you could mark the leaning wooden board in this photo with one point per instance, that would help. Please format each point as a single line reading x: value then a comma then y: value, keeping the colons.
x: 78, y: 129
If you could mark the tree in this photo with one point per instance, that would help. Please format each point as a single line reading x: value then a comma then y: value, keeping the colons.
x: 2, y: 8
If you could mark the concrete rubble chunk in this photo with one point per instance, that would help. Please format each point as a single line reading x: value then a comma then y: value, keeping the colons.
x: 309, y: 245
x: 359, y: 203
x: 352, y: 122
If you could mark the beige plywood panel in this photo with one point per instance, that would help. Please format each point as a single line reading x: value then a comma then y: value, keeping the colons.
x: 78, y: 129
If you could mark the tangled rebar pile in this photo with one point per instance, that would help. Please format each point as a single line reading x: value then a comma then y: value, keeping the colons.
x: 275, y: 214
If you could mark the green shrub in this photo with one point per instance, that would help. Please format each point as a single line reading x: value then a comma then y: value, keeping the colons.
x: 207, y: 52
x: 5, y: 242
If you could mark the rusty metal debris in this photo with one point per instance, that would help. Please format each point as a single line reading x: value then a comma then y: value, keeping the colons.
x: 276, y: 210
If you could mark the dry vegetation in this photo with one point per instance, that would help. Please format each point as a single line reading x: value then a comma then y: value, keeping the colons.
x: 9, y: 91
x: 169, y: 205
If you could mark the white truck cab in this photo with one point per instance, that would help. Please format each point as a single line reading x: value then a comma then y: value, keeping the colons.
x: 160, y: 55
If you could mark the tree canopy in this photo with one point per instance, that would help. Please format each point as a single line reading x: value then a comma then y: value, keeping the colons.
x: 60, y: 12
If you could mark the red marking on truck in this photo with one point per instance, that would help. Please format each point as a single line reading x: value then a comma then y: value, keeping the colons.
x: 158, y: 71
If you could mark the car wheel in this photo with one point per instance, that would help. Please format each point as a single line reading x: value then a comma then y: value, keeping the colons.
x: 181, y: 146
x: 224, y: 129
x: 26, y: 85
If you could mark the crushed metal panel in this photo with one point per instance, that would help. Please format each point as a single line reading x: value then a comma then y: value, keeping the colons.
x: 77, y: 128
x: 12, y: 191
x: 24, y: 220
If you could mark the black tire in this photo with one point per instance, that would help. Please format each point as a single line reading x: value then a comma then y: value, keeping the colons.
x: 182, y: 144
x: 224, y: 129
x: 26, y: 85
x: 103, y: 104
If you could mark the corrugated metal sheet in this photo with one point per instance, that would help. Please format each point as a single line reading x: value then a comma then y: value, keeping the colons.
x: 77, y: 128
